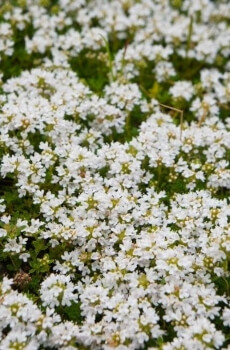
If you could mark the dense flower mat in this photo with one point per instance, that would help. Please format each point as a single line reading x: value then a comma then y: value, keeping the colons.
x: 115, y: 174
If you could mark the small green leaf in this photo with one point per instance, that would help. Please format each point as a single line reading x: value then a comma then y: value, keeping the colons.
x: 74, y: 312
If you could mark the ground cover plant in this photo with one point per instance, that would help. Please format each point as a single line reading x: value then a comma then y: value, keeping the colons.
x: 115, y: 174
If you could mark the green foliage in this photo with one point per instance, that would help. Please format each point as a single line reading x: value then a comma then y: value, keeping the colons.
x: 91, y: 69
x: 73, y: 312
x: 12, y: 66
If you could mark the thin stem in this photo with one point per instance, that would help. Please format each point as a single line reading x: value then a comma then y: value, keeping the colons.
x: 109, y: 56
x: 181, y: 116
x: 190, y: 29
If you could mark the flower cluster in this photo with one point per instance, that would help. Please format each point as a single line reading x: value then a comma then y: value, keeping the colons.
x: 115, y: 174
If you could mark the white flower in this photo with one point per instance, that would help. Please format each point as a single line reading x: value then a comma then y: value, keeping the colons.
x: 57, y: 290
x: 164, y: 70
x: 3, y: 232
x: 226, y: 316
x: 182, y: 89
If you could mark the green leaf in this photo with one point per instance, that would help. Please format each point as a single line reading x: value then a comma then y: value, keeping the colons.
x: 39, y: 245
x: 73, y: 312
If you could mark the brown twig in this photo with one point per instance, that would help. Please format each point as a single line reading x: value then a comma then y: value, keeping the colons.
x: 181, y: 116
x: 169, y: 107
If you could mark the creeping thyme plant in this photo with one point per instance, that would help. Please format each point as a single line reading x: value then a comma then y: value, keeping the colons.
x: 115, y: 174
